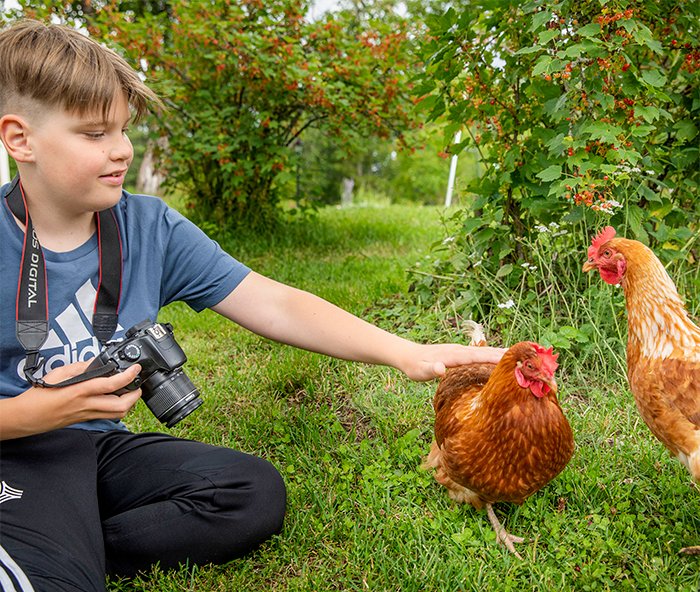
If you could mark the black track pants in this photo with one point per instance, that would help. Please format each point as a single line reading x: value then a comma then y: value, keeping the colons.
x: 75, y: 505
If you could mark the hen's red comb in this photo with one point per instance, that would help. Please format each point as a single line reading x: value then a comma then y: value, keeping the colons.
x: 549, y: 359
x: 600, y: 239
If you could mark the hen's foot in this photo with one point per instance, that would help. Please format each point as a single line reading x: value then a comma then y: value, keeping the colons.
x: 690, y: 550
x: 502, y: 535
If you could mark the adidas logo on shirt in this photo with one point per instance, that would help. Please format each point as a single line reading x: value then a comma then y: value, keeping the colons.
x: 70, y: 338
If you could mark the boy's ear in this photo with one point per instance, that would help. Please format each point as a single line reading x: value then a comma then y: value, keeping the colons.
x: 14, y: 133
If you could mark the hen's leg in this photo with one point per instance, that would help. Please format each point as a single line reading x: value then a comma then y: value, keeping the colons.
x: 690, y: 551
x: 501, y: 534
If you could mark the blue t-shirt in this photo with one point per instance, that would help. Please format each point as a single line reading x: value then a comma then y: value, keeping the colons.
x: 165, y: 258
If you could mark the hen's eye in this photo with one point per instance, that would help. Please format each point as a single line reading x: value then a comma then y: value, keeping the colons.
x: 606, y: 253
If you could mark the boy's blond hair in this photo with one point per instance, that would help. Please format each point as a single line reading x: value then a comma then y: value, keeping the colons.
x: 57, y: 66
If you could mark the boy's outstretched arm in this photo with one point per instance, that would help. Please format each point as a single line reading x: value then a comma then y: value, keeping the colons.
x: 301, y: 319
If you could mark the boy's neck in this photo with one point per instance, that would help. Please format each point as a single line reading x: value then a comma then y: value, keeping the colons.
x: 57, y: 229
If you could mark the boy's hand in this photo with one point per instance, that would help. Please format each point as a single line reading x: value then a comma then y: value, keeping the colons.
x: 427, y: 362
x: 39, y: 409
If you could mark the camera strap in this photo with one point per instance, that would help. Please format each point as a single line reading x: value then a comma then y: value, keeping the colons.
x: 32, y: 305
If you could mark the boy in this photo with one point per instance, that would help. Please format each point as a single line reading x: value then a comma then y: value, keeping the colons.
x: 82, y: 496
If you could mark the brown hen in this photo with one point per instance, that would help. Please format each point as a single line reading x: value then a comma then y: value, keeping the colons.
x: 663, y: 344
x: 500, y: 434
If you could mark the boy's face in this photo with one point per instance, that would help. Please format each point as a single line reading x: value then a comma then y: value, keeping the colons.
x: 78, y: 162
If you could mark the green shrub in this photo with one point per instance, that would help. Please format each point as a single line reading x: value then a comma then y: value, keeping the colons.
x: 244, y: 80
x: 583, y: 113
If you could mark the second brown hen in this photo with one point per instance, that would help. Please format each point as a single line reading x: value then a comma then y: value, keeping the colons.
x: 500, y: 434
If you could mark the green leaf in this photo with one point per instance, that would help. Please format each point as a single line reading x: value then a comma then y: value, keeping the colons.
x: 664, y: 208
x: 647, y: 193
x: 428, y: 102
x: 607, y: 101
x: 635, y: 217
x: 649, y: 114
x: 527, y: 50
x: 541, y: 66
x: 686, y: 130
x: 546, y: 36
x: 551, y: 173
x: 575, y: 215
x: 604, y: 132
x: 539, y: 20
x: 643, y: 36
x: 589, y: 30
x: 642, y: 130
x: 505, y: 270
x: 654, y: 78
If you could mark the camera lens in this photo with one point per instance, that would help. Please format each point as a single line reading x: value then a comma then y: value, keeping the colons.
x: 170, y: 397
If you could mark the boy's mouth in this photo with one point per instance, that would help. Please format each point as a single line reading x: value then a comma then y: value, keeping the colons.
x: 117, y: 176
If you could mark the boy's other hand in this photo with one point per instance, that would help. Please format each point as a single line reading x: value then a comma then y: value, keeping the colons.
x: 41, y: 409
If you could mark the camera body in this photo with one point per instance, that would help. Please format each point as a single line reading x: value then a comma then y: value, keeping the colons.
x: 167, y: 391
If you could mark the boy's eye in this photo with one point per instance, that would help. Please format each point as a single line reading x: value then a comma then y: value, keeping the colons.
x: 94, y: 135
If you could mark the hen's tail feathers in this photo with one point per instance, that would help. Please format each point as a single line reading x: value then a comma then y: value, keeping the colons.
x: 475, y: 332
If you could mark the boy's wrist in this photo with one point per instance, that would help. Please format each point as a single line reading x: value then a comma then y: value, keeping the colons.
x: 14, y: 418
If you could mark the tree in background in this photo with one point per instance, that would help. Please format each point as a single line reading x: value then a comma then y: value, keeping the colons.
x: 244, y: 80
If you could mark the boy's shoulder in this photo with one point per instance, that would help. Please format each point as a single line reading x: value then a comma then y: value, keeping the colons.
x: 144, y: 209
x: 154, y: 219
x: 142, y: 201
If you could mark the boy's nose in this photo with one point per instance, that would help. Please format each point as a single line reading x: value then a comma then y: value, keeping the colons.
x: 122, y: 149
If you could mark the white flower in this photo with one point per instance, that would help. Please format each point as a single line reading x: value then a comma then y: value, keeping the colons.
x: 528, y: 266
x: 507, y: 304
x: 553, y: 225
x: 448, y: 240
x: 476, y: 263
x: 609, y: 207
x: 541, y: 228
x: 626, y: 169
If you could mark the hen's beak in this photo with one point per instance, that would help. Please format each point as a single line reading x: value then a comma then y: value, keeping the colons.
x: 551, y: 383
x: 588, y: 266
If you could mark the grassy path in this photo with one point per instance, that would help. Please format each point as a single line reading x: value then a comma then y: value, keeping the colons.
x: 349, y: 440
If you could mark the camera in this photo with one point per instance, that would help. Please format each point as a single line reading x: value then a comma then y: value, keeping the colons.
x: 167, y: 391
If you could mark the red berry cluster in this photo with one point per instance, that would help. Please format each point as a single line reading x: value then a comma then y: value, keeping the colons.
x: 604, y: 20
x: 592, y: 198
x: 692, y: 61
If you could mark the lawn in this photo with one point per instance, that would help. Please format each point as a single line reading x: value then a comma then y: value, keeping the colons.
x: 349, y: 438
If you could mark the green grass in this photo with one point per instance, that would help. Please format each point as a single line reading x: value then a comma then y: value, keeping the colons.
x: 349, y: 438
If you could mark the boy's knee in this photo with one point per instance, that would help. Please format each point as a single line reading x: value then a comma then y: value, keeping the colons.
x: 269, y: 497
x: 254, y: 500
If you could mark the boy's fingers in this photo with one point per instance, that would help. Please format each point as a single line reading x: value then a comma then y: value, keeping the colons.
x: 127, y: 401
x: 121, y: 379
x: 439, y: 369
